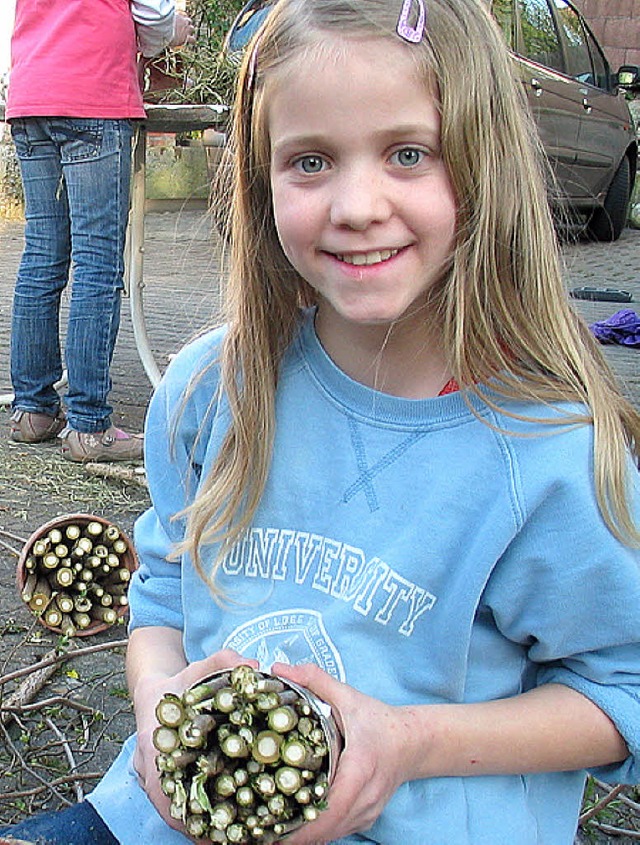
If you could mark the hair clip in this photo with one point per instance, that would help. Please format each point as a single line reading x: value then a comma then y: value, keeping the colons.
x: 412, y: 34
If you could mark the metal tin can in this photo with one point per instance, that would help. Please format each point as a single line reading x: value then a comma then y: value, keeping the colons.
x: 249, y: 684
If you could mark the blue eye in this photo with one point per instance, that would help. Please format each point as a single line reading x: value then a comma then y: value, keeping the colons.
x: 408, y: 157
x: 310, y: 164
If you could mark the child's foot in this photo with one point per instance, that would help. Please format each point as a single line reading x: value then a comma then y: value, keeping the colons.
x: 29, y: 427
x: 110, y: 445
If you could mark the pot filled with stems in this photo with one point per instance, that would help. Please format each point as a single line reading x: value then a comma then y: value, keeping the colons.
x: 73, y: 574
x: 245, y: 757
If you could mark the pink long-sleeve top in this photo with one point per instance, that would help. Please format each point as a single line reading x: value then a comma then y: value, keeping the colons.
x: 77, y: 58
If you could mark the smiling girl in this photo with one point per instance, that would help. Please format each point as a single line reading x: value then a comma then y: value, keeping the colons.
x: 364, y: 206
x: 402, y: 474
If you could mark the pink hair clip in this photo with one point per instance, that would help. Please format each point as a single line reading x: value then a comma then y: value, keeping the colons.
x: 412, y: 34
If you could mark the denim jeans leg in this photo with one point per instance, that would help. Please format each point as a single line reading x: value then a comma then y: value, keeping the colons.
x: 36, y: 363
x: 79, y: 824
x: 96, y: 162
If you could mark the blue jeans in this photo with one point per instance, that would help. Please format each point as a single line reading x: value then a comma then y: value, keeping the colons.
x: 77, y: 825
x: 76, y: 175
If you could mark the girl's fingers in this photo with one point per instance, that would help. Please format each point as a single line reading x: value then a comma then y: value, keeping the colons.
x: 225, y: 659
x: 312, y: 677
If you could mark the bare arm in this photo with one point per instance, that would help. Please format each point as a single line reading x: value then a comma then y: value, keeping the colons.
x: 550, y: 728
x: 153, y: 652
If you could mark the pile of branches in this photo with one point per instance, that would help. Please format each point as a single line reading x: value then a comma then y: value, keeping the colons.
x: 61, y: 724
x: 201, y: 73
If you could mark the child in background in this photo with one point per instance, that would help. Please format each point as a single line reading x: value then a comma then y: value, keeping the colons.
x: 73, y: 100
x: 401, y: 474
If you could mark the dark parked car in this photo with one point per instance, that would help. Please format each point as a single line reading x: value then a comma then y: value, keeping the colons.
x: 578, y: 103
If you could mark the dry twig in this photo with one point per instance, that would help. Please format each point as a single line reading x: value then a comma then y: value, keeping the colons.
x: 61, y: 657
x: 46, y: 702
x: 134, y: 475
x: 68, y: 753
x: 50, y: 745
x: 61, y: 781
x: 30, y: 687
x: 617, y: 831
x: 602, y: 803
x: 10, y: 744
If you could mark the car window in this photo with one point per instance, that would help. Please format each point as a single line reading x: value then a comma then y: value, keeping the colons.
x: 600, y: 66
x: 578, y: 57
x: 539, y: 34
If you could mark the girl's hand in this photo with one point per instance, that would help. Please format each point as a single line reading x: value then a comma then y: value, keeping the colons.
x: 372, y: 764
x: 183, y: 31
x: 148, y: 693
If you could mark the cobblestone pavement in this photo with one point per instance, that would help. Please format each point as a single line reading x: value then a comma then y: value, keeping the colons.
x: 614, y: 265
x: 181, y: 295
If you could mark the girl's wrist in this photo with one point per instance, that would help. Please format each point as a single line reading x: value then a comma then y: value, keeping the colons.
x: 424, y: 737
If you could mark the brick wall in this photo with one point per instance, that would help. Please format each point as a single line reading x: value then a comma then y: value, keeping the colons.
x: 616, y: 25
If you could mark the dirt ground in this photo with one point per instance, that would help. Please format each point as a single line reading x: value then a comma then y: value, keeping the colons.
x: 67, y: 727
x: 79, y: 717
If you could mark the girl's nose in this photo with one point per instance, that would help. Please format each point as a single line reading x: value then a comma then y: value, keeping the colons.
x: 359, y: 199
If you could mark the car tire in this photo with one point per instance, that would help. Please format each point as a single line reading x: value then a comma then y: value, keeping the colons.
x: 607, y: 222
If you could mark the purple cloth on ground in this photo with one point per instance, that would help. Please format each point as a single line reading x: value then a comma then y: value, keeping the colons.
x: 622, y: 327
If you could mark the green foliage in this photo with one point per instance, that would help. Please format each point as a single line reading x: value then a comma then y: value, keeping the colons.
x: 503, y: 13
x: 201, y: 73
x: 120, y: 692
x: 214, y: 16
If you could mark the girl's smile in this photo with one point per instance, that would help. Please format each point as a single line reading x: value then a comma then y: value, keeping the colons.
x: 367, y: 259
x: 363, y: 203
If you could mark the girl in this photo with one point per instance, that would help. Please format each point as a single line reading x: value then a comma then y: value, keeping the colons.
x: 403, y: 475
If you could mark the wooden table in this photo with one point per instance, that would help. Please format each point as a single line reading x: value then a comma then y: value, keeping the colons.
x: 160, y: 118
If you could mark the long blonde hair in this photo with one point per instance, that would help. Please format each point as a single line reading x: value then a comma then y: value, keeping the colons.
x: 502, y: 305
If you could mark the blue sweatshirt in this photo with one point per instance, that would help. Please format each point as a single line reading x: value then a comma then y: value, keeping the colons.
x: 413, y: 551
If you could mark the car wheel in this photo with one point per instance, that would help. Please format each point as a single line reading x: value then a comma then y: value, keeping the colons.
x: 606, y: 223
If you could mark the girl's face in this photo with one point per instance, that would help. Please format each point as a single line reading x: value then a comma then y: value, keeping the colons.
x: 363, y: 203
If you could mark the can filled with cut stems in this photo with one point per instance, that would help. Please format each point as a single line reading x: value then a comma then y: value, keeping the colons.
x: 245, y: 757
x: 73, y: 574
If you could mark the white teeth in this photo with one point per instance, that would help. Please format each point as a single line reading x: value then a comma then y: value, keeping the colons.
x: 360, y: 259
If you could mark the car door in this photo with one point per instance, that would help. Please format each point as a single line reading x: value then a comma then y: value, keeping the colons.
x: 555, y: 99
x: 603, y: 135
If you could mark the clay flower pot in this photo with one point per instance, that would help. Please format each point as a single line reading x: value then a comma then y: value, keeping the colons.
x: 74, y: 572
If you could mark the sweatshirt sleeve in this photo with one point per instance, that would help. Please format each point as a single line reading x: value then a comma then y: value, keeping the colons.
x: 155, y: 20
x: 173, y: 465
x: 569, y: 592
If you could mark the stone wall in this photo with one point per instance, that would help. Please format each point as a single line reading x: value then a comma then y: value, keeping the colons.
x: 616, y: 25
